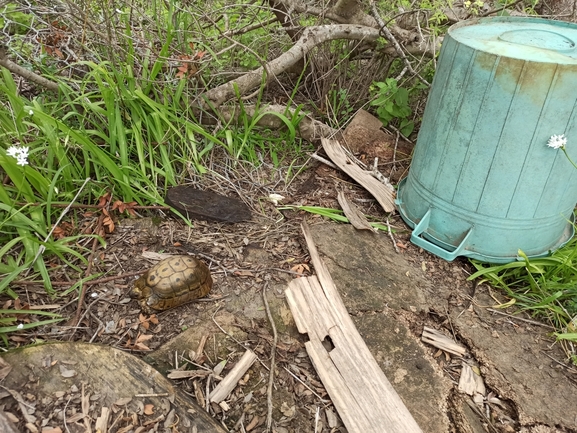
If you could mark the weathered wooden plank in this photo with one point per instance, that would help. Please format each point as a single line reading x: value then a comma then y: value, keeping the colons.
x: 224, y: 388
x: 380, y: 191
x: 349, y: 372
x: 308, y: 320
x: 354, y: 215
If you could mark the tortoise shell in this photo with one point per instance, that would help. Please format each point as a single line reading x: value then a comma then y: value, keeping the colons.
x: 172, y: 282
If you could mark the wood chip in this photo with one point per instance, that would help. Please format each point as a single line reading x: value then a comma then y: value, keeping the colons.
x: 355, y: 216
x: 224, y: 388
x: 102, y: 421
x: 471, y: 382
x: 438, y: 339
x: 381, y: 192
x: 364, y: 398
x: 185, y: 374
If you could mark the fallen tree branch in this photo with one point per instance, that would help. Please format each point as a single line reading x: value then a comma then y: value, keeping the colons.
x: 25, y: 73
x: 336, y: 14
x: 310, y: 38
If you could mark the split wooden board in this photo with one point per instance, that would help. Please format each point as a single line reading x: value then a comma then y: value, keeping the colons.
x: 360, y: 391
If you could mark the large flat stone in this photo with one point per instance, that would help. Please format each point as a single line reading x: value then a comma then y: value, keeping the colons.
x: 376, y: 283
x: 374, y: 280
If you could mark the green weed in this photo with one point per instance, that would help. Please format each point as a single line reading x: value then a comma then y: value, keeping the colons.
x: 545, y: 287
x: 392, y: 103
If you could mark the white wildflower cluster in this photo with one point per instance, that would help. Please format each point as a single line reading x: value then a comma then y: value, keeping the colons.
x: 20, y: 153
x: 557, y: 141
x: 275, y: 198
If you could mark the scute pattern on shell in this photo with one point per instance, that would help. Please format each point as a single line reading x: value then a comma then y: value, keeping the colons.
x: 172, y: 282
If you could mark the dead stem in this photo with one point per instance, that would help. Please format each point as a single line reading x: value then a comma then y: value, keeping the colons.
x: 272, y: 360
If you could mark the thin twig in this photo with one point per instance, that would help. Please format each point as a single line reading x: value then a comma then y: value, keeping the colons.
x: 82, y: 293
x: 94, y: 206
x: 64, y: 414
x: 532, y: 322
x: 86, y: 283
x: 571, y: 369
x: 322, y: 400
x: 492, y: 11
x: 391, y: 38
x: 23, y: 72
x: 272, y: 361
x: 323, y: 160
x: 392, y: 237
x: 394, y: 161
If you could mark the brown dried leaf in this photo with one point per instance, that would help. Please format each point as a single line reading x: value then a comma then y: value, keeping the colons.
x: 148, y: 409
x: 243, y: 273
x: 140, y: 346
x: 252, y: 424
x: 4, y: 369
x: 52, y: 430
x: 143, y: 337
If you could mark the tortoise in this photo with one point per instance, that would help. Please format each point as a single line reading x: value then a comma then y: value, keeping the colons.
x: 172, y: 282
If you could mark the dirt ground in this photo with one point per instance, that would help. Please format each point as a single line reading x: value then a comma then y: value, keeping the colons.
x: 391, y: 295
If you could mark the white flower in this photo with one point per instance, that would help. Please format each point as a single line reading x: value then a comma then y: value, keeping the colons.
x: 20, y: 326
x: 12, y: 151
x: 31, y: 113
x: 20, y: 153
x: 557, y: 141
x: 275, y: 198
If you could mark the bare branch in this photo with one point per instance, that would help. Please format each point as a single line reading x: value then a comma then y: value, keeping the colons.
x: 310, y: 38
x: 25, y: 73
x: 389, y: 36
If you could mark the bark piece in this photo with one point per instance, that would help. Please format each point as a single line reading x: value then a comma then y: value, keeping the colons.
x: 363, y: 396
x: 355, y: 216
x: 381, y: 192
x: 470, y: 381
x: 207, y: 205
x: 102, y: 420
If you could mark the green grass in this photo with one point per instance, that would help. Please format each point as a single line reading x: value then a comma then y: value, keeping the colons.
x: 336, y: 215
x: 133, y: 134
x: 544, y: 287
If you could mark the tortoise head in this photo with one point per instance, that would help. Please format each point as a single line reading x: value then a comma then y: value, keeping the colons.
x: 140, y: 289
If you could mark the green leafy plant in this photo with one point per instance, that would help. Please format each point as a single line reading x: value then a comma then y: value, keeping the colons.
x: 13, y: 19
x: 392, y: 103
x: 338, y: 107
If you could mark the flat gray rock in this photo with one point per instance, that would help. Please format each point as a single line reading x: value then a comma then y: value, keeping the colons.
x: 375, y: 282
x: 389, y: 297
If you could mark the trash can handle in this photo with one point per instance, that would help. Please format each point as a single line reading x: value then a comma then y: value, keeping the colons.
x: 433, y: 248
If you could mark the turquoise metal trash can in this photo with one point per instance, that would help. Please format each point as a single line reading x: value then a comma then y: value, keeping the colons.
x: 483, y: 183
